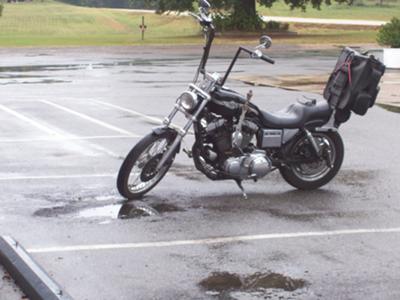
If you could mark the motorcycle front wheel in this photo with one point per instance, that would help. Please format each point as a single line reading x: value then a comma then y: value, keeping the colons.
x: 312, y: 175
x: 138, y: 174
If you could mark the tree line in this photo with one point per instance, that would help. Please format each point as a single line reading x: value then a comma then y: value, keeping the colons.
x: 139, y: 4
x: 233, y: 14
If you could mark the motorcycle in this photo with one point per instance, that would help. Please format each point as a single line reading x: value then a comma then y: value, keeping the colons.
x: 236, y: 140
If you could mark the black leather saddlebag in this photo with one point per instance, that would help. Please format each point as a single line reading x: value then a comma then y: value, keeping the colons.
x: 354, y: 84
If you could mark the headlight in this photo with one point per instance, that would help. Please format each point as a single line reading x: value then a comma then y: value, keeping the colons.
x: 188, y: 100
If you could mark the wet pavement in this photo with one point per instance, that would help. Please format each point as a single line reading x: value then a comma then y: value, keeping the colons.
x: 8, y: 289
x: 68, y: 118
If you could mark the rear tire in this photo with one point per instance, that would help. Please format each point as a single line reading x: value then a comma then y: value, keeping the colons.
x: 137, y: 175
x: 314, y: 175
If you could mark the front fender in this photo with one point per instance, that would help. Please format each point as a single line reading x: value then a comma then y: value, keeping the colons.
x: 171, y: 133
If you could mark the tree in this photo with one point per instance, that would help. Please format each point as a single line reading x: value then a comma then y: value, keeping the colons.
x: 240, y: 11
x: 111, y: 3
x: 389, y: 34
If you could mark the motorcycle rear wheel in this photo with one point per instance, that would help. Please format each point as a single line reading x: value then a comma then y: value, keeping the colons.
x: 138, y: 175
x: 311, y: 176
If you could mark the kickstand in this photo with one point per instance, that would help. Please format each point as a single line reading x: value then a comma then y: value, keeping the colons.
x: 239, y: 183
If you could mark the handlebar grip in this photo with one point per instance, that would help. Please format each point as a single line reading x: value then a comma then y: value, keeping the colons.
x: 267, y: 59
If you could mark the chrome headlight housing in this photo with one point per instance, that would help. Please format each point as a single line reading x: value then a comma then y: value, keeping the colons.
x: 188, y: 100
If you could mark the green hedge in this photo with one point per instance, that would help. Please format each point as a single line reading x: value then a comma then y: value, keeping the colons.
x: 389, y: 34
x: 1, y: 9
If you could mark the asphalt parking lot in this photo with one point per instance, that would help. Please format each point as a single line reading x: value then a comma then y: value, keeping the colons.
x: 69, y: 116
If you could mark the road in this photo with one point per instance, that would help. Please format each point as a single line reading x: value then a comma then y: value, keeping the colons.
x: 69, y: 116
x: 343, y: 22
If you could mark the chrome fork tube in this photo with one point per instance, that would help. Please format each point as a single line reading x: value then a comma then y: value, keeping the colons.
x: 181, y: 133
x: 167, y: 121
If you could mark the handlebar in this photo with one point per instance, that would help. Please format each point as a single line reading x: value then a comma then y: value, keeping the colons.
x: 256, y: 55
x: 267, y: 59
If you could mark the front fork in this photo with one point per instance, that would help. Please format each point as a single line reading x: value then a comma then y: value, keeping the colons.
x: 182, y: 131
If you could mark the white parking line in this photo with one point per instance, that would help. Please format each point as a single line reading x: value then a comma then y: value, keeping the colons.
x: 91, y: 119
x: 30, y: 121
x: 75, y: 176
x: 60, y: 135
x: 156, y: 121
x: 50, y: 177
x: 68, y: 138
x: 220, y: 240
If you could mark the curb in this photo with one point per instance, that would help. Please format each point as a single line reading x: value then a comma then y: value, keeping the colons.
x: 29, y: 276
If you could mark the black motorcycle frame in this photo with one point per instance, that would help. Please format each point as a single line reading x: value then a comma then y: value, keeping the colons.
x: 206, y: 97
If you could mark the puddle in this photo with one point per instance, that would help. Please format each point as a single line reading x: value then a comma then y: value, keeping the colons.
x: 45, y: 81
x: 65, y: 67
x: 19, y: 76
x: 135, y: 210
x: 273, y: 281
x: 55, y: 211
x: 129, y: 210
x: 313, y: 216
x: 166, y: 208
x: 223, y: 282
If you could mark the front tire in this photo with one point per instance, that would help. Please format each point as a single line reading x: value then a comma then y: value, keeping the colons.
x: 138, y: 175
x: 311, y: 176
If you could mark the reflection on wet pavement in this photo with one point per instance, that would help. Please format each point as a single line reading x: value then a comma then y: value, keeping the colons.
x: 127, y: 210
x: 44, y: 81
x: 64, y: 67
x: 130, y: 210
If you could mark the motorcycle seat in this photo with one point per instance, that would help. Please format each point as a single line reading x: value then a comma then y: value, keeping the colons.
x: 298, y: 115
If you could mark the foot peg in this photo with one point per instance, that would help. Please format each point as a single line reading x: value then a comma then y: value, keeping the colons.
x: 188, y: 153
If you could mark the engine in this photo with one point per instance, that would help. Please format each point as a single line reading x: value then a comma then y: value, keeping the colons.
x: 247, y: 163
x: 250, y: 166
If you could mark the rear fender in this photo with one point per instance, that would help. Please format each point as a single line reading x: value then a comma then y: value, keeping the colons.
x: 326, y: 129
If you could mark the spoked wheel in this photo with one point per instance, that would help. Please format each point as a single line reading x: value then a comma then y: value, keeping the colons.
x: 316, y: 173
x: 138, y: 174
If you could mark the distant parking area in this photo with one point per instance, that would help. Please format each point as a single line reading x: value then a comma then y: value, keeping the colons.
x: 68, y: 117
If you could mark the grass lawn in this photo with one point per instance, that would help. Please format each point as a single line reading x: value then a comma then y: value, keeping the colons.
x: 48, y: 23
x: 361, y: 10
x: 51, y: 23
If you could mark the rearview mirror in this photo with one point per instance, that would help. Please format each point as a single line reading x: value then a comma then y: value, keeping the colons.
x: 205, y: 11
x: 265, y: 42
x: 205, y: 4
